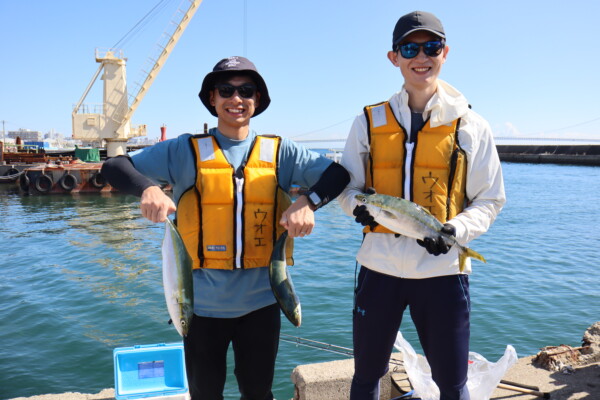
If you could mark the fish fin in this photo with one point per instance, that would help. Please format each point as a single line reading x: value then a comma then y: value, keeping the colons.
x: 425, y: 210
x: 473, y: 254
x: 466, y: 252
x: 388, y: 214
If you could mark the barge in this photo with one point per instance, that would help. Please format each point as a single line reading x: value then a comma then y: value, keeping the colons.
x: 63, y: 178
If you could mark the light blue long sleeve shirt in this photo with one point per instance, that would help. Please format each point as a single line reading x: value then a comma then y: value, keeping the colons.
x: 227, y: 293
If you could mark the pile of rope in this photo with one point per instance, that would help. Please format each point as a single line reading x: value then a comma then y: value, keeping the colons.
x: 11, y: 176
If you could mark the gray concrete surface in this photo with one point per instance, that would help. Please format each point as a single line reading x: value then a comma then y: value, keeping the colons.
x: 330, y: 380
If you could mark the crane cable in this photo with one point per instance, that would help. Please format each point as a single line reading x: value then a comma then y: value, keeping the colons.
x: 322, y: 129
x: 141, y: 23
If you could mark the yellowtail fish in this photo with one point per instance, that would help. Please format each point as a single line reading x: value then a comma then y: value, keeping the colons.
x: 281, y: 283
x: 410, y: 219
x: 177, y: 279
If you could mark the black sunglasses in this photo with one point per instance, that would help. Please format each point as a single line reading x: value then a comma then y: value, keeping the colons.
x: 226, y: 90
x: 432, y: 48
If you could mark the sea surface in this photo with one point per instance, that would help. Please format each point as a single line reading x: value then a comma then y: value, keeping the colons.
x: 81, y: 276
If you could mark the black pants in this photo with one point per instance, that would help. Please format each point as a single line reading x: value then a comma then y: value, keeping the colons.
x: 255, y: 340
x: 439, y: 308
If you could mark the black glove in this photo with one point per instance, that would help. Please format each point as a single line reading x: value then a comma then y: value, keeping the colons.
x: 362, y: 215
x: 440, y: 244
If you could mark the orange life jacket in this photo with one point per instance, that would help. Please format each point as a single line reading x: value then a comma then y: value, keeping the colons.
x: 228, y: 221
x: 437, y: 177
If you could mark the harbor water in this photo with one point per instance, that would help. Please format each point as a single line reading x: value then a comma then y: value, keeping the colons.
x: 81, y: 275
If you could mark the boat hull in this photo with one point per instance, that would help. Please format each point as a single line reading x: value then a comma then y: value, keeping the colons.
x: 61, y: 179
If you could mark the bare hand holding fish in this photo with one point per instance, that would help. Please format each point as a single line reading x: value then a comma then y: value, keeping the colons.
x: 156, y: 205
x: 299, y: 218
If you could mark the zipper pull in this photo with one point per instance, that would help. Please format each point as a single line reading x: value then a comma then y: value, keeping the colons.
x: 239, y: 173
x: 239, y: 179
x: 239, y: 184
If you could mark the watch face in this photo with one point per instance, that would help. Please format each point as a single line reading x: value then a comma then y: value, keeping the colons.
x: 314, y: 198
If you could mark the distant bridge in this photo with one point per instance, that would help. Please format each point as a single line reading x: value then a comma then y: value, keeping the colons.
x: 543, y: 139
x: 317, y: 140
x: 496, y: 138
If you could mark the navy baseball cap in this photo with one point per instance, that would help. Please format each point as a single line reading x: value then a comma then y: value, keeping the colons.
x: 416, y: 21
x: 232, y: 66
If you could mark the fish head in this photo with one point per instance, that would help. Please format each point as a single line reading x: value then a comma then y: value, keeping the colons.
x: 388, y: 211
x: 361, y: 197
x: 185, y: 320
x: 371, y: 201
x: 184, y: 327
x: 296, y: 319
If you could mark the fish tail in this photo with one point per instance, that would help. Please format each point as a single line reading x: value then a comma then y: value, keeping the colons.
x: 466, y: 252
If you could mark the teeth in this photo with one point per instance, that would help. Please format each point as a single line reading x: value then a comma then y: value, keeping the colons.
x: 235, y: 111
x: 422, y: 69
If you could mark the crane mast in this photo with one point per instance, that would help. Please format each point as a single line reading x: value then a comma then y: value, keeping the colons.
x: 112, y: 123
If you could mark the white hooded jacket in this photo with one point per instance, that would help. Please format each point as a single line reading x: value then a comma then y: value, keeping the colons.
x: 402, y: 256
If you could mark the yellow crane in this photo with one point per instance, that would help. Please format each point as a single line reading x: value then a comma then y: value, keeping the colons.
x: 112, y: 124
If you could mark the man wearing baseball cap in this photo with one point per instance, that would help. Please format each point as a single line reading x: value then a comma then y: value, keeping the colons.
x: 230, y: 195
x: 426, y: 145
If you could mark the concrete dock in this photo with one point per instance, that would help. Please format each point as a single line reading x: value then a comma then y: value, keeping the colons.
x: 331, y: 381
x: 556, y: 372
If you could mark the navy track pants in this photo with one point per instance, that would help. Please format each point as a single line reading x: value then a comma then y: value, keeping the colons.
x: 439, y: 308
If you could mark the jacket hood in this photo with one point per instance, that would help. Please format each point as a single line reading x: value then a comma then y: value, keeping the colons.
x: 446, y: 105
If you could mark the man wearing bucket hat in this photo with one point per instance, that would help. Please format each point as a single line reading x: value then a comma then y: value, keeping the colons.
x: 426, y: 145
x: 230, y: 197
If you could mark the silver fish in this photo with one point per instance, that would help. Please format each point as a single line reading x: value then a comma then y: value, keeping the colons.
x: 410, y: 219
x: 177, y: 279
x: 281, y: 283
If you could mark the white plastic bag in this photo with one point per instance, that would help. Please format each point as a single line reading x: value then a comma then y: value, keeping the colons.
x: 482, y: 376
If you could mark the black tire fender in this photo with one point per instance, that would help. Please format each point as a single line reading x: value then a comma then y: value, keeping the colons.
x: 43, y: 183
x: 68, y: 181
x: 24, y: 182
x: 97, y: 180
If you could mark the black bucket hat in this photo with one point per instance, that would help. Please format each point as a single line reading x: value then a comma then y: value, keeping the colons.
x: 232, y: 66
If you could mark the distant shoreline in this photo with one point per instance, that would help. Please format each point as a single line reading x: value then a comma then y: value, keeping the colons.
x: 551, y: 154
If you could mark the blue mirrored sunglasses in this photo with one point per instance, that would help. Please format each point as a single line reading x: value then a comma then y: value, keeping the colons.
x: 432, y: 48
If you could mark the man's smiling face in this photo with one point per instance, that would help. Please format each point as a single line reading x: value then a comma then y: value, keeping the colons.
x: 422, y: 71
x: 235, y: 111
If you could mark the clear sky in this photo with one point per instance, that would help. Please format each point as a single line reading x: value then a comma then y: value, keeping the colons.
x: 529, y: 67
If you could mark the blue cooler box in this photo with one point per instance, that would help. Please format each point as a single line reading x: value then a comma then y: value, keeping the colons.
x: 154, y: 371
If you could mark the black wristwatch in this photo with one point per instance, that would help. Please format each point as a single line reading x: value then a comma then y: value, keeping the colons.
x: 314, y: 199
